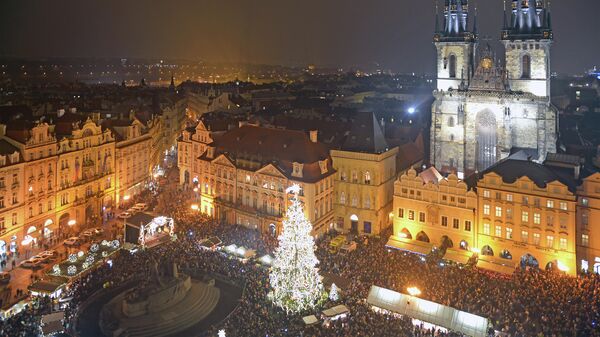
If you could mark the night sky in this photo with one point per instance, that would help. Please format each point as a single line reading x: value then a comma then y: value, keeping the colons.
x: 395, y: 34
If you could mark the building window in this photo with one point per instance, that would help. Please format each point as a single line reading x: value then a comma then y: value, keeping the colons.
x: 525, y: 217
x: 367, y: 228
x: 343, y: 176
x: 537, y: 202
x: 14, y: 219
x: 486, y: 209
x: 585, y: 201
x: 525, y: 201
x: 550, y: 241
x: 486, y: 228
x: 524, y: 236
x: 367, y: 178
x: 354, y: 177
x: 509, y: 233
x: 445, y: 221
x: 537, y: 218
x: 585, y: 240
x: 509, y: 197
x: 411, y: 215
x: 421, y: 217
x: 455, y: 223
x: 563, y: 205
x: 526, y: 67
x: 509, y: 213
x: 452, y: 65
x: 498, y: 211
x: 486, y: 194
x: 550, y: 203
x: 367, y: 203
x: 401, y: 212
x: 550, y: 220
x: 562, y: 243
x: 354, y: 201
x: 585, y: 265
x: 467, y: 225
x: 536, y: 239
x: 1, y: 202
x: 498, y: 196
x: 585, y: 219
x: 498, y: 231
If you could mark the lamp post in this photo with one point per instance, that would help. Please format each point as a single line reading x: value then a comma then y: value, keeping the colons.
x: 413, y: 292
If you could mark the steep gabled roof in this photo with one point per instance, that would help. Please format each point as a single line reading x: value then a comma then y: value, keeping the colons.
x: 365, y: 135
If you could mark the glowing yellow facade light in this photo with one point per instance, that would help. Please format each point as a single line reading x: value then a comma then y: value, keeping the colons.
x: 476, y: 250
x: 402, y: 235
x: 413, y: 291
x: 71, y: 222
x: 562, y: 267
x: 126, y: 197
x: 195, y: 207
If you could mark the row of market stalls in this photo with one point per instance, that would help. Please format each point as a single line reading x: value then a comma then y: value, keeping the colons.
x: 420, y: 310
x: 147, y: 230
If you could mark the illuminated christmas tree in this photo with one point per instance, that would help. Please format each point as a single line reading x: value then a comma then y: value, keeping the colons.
x: 294, y: 277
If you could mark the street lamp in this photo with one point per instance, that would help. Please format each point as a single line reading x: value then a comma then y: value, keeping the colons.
x: 413, y: 291
x: 194, y: 207
x: 411, y: 110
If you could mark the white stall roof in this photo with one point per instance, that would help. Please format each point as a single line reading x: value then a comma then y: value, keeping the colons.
x: 427, y: 311
x: 335, y: 311
x: 310, y: 320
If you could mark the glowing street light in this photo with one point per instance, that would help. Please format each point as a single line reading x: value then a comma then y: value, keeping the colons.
x: 194, y: 207
x: 126, y: 197
x: 411, y: 110
x: 562, y: 267
x: 413, y: 291
x: 71, y: 222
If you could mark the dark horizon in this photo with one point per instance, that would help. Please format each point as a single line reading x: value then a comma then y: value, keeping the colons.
x: 382, y: 33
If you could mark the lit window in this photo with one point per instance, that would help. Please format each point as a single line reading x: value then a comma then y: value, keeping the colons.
x: 550, y: 241
x: 563, y: 205
x: 486, y: 194
x: 498, y: 231
x: 509, y: 213
x: 509, y: 197
x: 585, y: 201
x: 509, y: 233
x: 584, y: 265
x: 498, y: 211
x: 486, y: 209
x: 536, y: 239
x: 486, y: 228
x: 411, y: 215
x: 537, y: 218
x: 585, y: 240
x: 524, y: 236
x: 563, y: 243
x: 401, y: 212
x: 525, y: 217
x: 550, y: 203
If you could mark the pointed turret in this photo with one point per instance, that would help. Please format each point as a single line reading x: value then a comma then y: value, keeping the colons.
x: 528, y: 21
x: 172, y: 86
x: 455, y: 27
x: 475, y: 23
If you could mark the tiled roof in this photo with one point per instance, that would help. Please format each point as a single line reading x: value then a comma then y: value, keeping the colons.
x: 365, y: 135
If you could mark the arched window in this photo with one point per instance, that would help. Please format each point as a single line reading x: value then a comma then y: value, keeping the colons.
x: 354, y: 200
x: 487, y: 250
x: 367, y: 202
x: 526, y: 67
x: 452, y: 65
x: 451, y: 121
x: 342, y: 198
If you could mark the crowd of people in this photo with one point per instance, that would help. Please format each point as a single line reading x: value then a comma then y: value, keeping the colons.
x: 526, y: 303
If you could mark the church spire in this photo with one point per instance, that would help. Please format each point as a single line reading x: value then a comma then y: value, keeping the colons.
x: 505, y: 24
x: 475, y: 22
x: 437, y: 17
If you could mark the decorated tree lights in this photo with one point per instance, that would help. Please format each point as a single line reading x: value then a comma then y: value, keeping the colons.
x: 294, y: 277
x: 334, y: 296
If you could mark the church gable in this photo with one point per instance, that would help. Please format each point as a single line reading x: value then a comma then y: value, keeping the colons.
x: 271, y: 170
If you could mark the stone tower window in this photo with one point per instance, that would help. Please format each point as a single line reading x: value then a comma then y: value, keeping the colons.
x: 451, y: 122
x: 526, y: 67
x: 452, y: 65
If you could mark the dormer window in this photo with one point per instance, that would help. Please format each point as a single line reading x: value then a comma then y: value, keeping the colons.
x: 2, y: 161
x: 297, y: 170
x: 210, y: 152
x: 323, y: 166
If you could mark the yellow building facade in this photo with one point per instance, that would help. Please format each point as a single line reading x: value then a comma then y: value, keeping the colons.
x: 364, y: 186
x: 12, y: 199
x: 430, y: 209
x: 525, y: 223
x: 588, y: 210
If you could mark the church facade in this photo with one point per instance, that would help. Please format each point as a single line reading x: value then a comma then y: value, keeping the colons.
x: 484, y: 109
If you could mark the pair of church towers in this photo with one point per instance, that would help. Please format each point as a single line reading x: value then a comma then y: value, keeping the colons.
x: 527, y: 64
x: 484, y: 111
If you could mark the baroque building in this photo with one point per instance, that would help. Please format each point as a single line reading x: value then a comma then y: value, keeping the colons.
x: 484, y: 110
x: 241, y: 175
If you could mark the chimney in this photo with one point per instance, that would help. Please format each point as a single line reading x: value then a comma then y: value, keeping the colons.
x: 577, y: 171
x: 313, y: 135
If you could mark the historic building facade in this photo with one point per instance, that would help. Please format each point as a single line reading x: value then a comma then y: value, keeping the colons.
x: 242, y: 175
x: 434, y: 210
x: 364, y: 184
x: 517, y: 213
x: 483, y: 110
x: 588, y: 209
x: 12, y: 198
